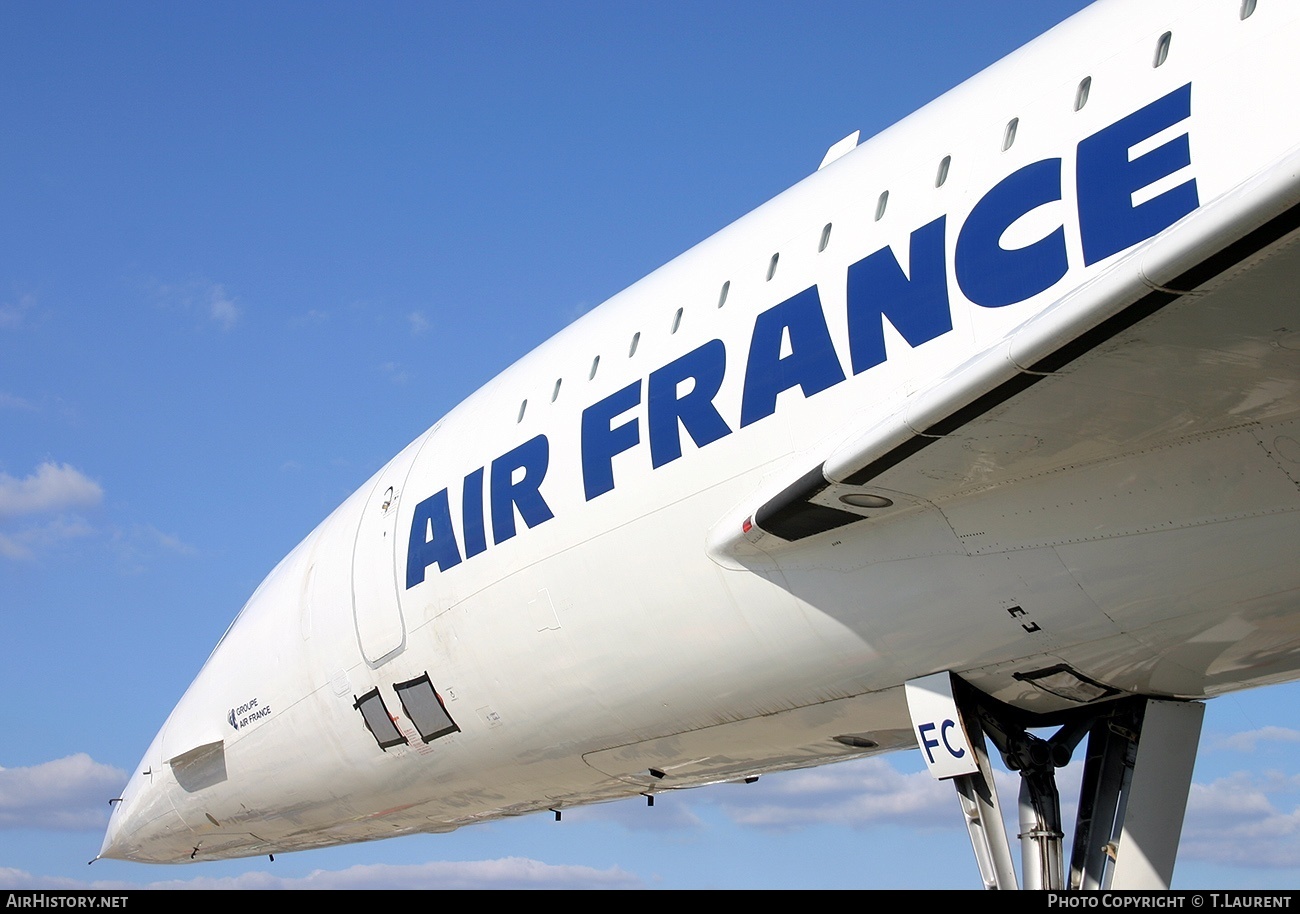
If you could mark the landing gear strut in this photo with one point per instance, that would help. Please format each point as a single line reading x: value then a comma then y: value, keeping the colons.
x: 1136, y: 776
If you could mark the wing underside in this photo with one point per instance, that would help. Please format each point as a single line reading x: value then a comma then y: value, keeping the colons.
x: 1187, y: 338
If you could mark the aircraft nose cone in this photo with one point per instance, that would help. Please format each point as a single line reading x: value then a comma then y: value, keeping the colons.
x: 121, y: 826
x: 125, y: 837
x: 144, y: 825
x: 112, y: 847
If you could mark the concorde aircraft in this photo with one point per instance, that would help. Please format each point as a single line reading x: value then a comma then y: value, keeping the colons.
x: 984, y: 433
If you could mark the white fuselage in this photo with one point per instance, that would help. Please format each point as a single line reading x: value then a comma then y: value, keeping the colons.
x: 565, y: 553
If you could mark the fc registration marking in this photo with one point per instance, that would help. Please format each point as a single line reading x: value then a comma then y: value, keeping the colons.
x: 936, y: 724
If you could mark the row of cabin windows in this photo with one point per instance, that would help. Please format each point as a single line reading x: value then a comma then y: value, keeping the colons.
x: 941, y: 176
x: 677, y: 320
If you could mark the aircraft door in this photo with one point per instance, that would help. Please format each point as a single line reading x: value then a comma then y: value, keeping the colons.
x: 381, y: 632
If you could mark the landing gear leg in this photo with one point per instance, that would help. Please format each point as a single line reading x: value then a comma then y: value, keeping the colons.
x: 1136, y: 778
x: 1036, y: 760
x: 1157, y: 801
x: 979, y: 805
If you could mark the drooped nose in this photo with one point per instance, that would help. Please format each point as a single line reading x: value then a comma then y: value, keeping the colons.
x: 144, y: 826
x: 218, y: 764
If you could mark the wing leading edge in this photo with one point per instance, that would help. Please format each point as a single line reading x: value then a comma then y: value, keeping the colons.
x: 1184, y: 337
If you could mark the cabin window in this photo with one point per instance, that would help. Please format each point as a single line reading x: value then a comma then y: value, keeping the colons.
x: 722, y: 298
x: 423, y: 705
x: 771, y: 266
x: 942, y: 174
x: 1081, y: 94
x: 636, y: 339
x: 375, y: 713
x: 826, y: 238
x: 523, y: 407
x: 677, y: 320
x: 1009, y: 135
x: 556, y: 392
x: 881, y: 204
x: 595, y: 363
x: 1162, y: 49
x: 1247, y: 7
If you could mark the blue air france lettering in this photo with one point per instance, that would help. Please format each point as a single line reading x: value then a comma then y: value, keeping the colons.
x: 917, y: 306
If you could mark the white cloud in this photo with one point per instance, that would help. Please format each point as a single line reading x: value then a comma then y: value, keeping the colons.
x: 11, y: 315
x: 66, y: 794
x: 506, y: 873
x: 857, y: 794
x: 1249, y: 820
x: 149, y: 536
x: 12, y: 547
x: 396, y: 373
x: 140, y: 544
x: 419, y: 323
x: 23, y: 543
x: 20, y: 879
x: 1237, y: 821
x: 222, y: 307
x: 201, y: 297
x: 52, y: 487
x: 9, y: 401
x: 1250, y: 739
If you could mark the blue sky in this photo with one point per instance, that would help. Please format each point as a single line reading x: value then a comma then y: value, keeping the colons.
x: 252, y: 250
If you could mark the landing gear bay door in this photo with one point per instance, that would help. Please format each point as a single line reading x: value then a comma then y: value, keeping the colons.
x: 938, y: 728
